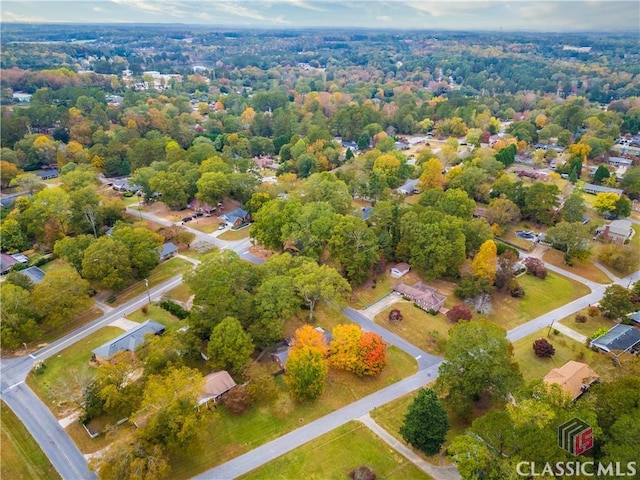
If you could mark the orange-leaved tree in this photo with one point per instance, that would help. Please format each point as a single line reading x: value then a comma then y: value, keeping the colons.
x: 372, y: 354
x: 307, y: 367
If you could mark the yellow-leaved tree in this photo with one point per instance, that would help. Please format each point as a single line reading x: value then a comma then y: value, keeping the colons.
x: 486, y: 261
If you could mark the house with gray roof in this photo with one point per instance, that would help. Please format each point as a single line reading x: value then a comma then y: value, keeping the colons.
x: 168, y: 250
x: 409, y: 187
x: 236, y: 218
x: 35, y: 274
x: 128, y: 341
x: 596, y: 189
x: 622, y: 338
x: 618, y: 231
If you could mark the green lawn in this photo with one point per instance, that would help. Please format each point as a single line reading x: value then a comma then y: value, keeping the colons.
x: 541, y: 296
x: 163, y: 272
x: 417, y: 326
x: 636, y: 237
x: 158, y: 314
x: 232, y: 435
x: 585, y: 269
x: 590, y: 326
x: 335, y: 454
x: 233, y: 235
x: 180, y: 293
x: 22, y: 458
x: 367, y: 294
x: 204, y: 227
x: 66, y: 365
x: 535, y: 368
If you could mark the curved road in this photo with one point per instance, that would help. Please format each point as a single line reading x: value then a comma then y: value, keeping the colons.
x: 72, y: 465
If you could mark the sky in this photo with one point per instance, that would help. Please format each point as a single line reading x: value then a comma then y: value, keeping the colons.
x: 514, y: 15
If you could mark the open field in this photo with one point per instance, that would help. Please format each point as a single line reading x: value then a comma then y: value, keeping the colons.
x: 584, y: 269
x: 64, y: 366
x: 158, y: 314
x: 541, y: 296
x: 180, y: 293
x: 231, y: 434
x: 417, y: 326
x: 22, y: 457
x: 368, y: 293
x: 335, y: 454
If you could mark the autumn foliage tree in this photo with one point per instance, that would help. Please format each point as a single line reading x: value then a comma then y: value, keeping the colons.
x: 536, y: 267
x: 343, y: 350
x: 307, y: 366
x: 372, y: 355
x: 486, y: 261
x: 395, y: 316
x: 543, y: 348
x: 459, y: 312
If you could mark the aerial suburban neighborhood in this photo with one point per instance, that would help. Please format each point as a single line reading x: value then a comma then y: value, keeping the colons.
x: 236, y: 252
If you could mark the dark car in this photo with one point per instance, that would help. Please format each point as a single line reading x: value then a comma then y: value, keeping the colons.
x: 187, y: 219
x: 198, y: 214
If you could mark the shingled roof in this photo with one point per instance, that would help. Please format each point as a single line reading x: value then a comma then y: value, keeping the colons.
x: 574, y: 377
x: 129, y: 340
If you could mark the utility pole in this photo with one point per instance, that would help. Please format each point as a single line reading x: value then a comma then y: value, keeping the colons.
x: 146, y: 282
x: 550, y: 327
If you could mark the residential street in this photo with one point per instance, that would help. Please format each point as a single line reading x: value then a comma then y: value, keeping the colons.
x: 72, y: 465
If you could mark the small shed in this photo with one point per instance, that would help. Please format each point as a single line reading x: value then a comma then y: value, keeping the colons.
x: 400, y: 270
x: 215, y: 385
x: 574, y: 378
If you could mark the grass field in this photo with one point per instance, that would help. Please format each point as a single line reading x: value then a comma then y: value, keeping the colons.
x: 335, y: 454
x: 22, y: 457
x: 180, y: 293
x: 541, y: 296
x: 365, y: 295
x: 585, y: 269
x: 66, y: 365
x: 417, y: 326
x: 204, y: 227
x: 232, y: 435
x: 534, y: 368
x: 163, y: 272
x: 233, y: 235
x: 158, y: 314
x: 590, y: 326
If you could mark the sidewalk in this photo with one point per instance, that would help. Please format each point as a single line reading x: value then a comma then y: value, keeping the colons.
x: 439, y: 473
x: 569, y: 332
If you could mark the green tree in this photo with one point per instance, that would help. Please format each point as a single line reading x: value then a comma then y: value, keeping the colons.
x: 169, y: 404
x: 623, y: 258
x: 106, y: 262
x: 456, y: 202
x: 314, y: 282
x: 212, y: 187
x: 623, y: 207
x: 60, y: 296
x: 503, y: 212
x: 601, y: 173
x: 631, y: 182
x: 13, y: 238
x: 173, y: 187
x: 18, y: 318
x: 132, y: 457
x: 477, y: 361
x: 354, y: 246
x: 574, y: 208
x: 72, y: 249
x: 540, y: 202
x: 616, y: 302
x: 230, y: 347
x: 306, y: 372
x: 425, y: 424
x: 143, y: 245
x: 570, y: 238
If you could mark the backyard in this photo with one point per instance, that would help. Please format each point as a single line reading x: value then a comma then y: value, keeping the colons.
x: 335, y: 454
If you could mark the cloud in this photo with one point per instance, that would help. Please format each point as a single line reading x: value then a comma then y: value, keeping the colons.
x: 16, y: 17
x: 305, y: 5
x: 441, y: 8
x: 155, y: 7
x: 233, y: 8
x: 384, y: 18
x: 97, y: 9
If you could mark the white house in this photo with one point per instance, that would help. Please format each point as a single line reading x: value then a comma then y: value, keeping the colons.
x: 400, y: 270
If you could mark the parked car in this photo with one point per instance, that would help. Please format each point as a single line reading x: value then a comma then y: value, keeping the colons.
x: 222, y: 226
x: 187, y: 219
x: 198, y: 214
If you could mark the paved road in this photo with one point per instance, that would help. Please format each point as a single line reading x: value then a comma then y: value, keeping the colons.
x: 43, y: 426
x: 67, y: 459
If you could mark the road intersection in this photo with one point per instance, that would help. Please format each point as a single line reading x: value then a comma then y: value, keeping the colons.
x: 72, y: 465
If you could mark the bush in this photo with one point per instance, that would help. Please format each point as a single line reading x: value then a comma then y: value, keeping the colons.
x: 580, y: 318
x: 543, y: 348
x: 501, y: 248
x: 236, y: 400
x: 515, y: 289
x: 174, y: 309
x: 459, y: 312
x: 593, y: 311
x: 362, y: 473
x: 536, y: 267
x: 395, y: 316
